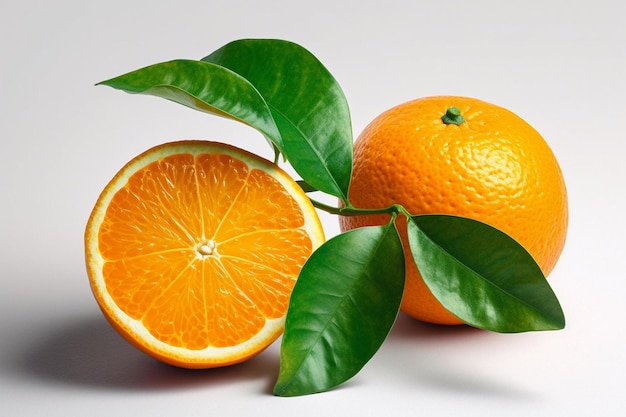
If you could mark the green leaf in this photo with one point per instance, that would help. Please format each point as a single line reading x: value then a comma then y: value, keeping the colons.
x: 205, y: 87
x: 342, y: 308
x: 306, y: 187
x: 307, y: 104
x: 482, y: 275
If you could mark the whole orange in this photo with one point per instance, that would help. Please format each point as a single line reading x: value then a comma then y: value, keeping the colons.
x: 465, y: 157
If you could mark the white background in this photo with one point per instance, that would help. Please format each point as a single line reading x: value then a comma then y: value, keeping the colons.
x: 560, y: 65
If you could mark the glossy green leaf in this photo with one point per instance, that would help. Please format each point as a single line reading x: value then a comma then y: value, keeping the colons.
x: 342, y: 308
x: 205, y: 87
x: 307, y: 104
x: 482, y: 275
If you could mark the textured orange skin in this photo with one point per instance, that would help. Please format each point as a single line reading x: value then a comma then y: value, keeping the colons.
x: 494, y: 167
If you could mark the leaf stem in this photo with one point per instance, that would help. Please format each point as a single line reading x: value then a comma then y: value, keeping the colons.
x: 349, y: 210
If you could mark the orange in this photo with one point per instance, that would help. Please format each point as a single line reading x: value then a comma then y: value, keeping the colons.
x: 492, y: 167
x: 192, y: 251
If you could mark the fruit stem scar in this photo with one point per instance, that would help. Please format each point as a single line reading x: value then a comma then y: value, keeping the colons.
x: 206, y: 249
x: 453, y: 116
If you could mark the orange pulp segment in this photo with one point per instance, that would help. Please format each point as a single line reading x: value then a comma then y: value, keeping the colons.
x: 193, y: 248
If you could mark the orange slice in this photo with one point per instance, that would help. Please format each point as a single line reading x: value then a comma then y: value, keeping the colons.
x: 192, y: 251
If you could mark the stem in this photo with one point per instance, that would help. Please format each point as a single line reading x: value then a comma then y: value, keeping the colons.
x: 453, y: 116
x: 353, y: 211
x: 276, y: 154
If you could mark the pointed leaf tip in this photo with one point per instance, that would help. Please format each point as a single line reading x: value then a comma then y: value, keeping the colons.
x: 205, y: 87
x: 482, y: 275
x: 342, y: 308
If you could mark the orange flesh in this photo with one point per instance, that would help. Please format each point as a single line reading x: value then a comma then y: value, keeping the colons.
x: 202, y: 250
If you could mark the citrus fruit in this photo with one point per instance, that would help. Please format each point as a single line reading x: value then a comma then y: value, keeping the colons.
x: 464, y: 157
x: 192, y: 251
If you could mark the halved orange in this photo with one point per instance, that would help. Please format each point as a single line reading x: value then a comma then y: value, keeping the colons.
x: 193, y: 248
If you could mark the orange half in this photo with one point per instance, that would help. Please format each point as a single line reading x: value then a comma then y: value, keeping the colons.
x: 193, y: 249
